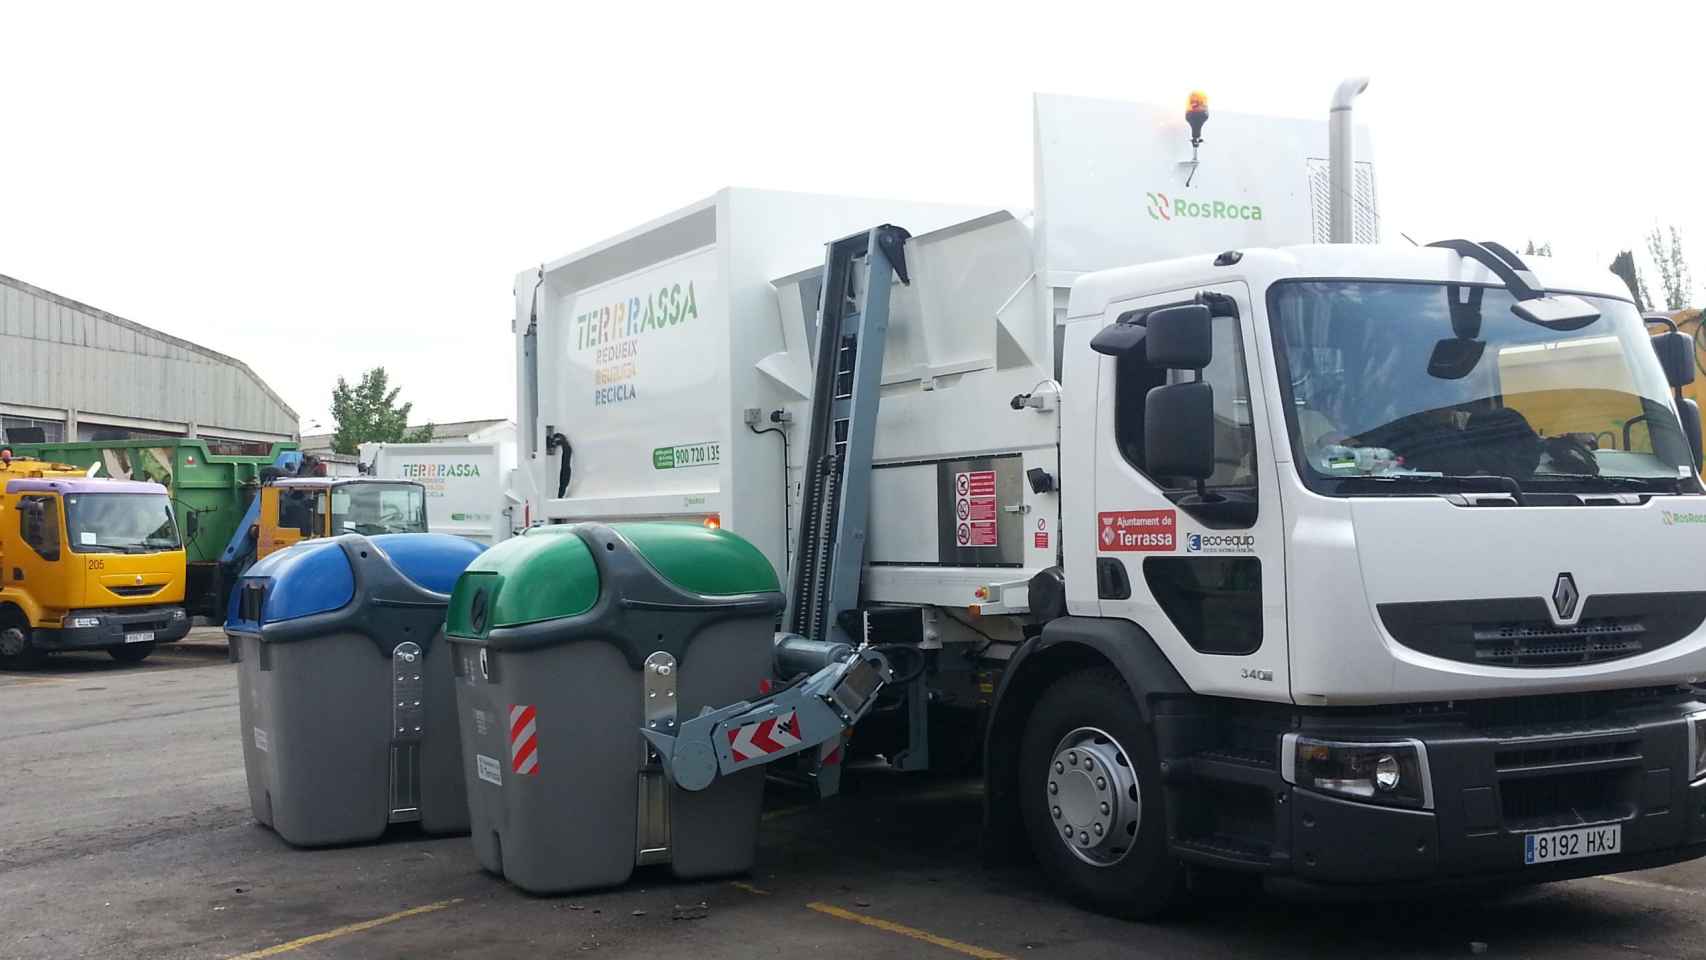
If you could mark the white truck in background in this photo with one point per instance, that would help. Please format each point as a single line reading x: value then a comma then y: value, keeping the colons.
x: 1224, y: 538
x: 466, y: 483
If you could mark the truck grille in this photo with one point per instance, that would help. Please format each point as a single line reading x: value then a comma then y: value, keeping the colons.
x: 143, y: 591
x: 1520, y: 632
x: 1534, y: 643
x: 1567, y: 800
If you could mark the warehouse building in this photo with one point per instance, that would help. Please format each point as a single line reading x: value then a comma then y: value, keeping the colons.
x: 69, y: 371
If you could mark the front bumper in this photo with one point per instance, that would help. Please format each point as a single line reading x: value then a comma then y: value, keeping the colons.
x: 1493, y: 785
x: 168, y: 623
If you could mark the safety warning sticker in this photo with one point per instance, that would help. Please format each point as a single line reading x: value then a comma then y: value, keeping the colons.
x: 523, y: 739
x: 1154, y: 531
x: 764, y: 737
x: 489, y: 769
x: 261, y: 742
x: 975, y: 509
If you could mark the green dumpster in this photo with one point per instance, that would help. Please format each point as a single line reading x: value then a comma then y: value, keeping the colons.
x: 567, y: 640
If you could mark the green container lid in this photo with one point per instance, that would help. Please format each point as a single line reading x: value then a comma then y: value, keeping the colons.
x: 540, y: 576
x: 713, y: 563
x: 549, y: 573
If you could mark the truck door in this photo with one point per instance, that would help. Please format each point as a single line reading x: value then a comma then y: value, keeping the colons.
x: 1202, y: 573
x: 35, y: 566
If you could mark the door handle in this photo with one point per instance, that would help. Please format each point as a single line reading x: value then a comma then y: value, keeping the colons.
x: 1111, y: 580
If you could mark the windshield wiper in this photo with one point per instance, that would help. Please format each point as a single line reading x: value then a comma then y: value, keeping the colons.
x: 1462, y: 483
x: 1639, y: 483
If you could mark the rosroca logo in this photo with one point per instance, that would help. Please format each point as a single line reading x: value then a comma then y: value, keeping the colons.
x: 1158, y: 207
x: 1166, y: 210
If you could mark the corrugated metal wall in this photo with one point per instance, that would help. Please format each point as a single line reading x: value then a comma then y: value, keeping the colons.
x: 60, y: 354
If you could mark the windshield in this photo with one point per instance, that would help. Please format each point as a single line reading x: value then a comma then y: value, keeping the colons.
x: 1427, y: 381
x: 369, y: 508
x: 121, y: 522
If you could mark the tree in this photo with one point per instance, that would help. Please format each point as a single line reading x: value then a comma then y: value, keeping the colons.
x: 1673, y: 270
x: 1624, y: 266
x: 422, y: 434
x: 368, y: 412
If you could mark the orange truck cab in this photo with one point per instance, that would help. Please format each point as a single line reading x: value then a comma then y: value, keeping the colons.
x: 86, y: 564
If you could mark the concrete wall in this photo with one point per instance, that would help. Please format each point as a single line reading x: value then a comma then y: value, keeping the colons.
x: 65, y: 362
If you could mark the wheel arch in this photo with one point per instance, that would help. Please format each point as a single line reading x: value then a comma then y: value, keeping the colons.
x: 1065, y: 646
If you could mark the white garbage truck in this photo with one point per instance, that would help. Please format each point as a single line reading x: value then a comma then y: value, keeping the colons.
x: 466, y: 483
x: 1218, y: 536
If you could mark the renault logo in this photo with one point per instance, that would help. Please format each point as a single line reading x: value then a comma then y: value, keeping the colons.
x: 1565, y: 596
x: 139, y: 579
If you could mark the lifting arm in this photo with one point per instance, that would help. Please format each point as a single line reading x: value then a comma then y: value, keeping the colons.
x: 751, y: 733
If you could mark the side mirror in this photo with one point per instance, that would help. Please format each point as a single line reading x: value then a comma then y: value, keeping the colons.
x: 1180, y: 338
x: 1178, y: 430
x: 1453, y: 359
x: 1690, y: 412
x: 1676, y: 356
x: 192, y: 525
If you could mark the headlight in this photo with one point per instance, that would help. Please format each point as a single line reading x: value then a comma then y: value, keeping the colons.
x: 1697, y: 745
x: 81, y: 623
x: 1394, y: 773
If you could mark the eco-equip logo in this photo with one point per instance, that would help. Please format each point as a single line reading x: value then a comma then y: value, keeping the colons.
x: 1165, y: 210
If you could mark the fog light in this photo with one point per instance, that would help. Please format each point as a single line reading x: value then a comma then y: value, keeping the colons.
x: 178, y: 614
x: 81, y: 623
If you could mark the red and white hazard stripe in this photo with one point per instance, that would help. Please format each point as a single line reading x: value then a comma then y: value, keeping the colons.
x: 764, y: 737
x: 523, y: 739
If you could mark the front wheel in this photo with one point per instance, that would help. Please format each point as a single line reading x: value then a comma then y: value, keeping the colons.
x: 1091, y: 796
x: 131, y: 652
x: 16, y: 648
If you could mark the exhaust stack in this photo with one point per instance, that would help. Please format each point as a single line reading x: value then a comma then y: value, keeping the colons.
x: 1341, y: 159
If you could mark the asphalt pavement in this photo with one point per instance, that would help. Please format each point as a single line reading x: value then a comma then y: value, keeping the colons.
x: 125, y: 833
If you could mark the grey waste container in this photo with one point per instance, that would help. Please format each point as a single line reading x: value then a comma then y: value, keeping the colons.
x: 345, y: 694
x: 568, y: 639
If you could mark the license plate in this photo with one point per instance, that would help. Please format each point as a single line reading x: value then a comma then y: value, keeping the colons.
x: 146, y: 636
x: 1572, y: 844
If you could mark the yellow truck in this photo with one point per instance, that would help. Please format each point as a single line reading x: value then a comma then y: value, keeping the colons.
x: 86, y: 564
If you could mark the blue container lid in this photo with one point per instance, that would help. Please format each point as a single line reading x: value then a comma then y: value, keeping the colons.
x: 308, y: 578
x: 432, y: 560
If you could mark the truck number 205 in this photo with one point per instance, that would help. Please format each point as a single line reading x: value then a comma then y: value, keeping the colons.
x: 97, y: 564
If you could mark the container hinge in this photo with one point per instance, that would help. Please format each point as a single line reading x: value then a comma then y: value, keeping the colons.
x: 408, y: 722
x: 651, y: 842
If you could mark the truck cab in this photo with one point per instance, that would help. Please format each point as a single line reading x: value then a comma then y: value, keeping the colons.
x: 87, y: 564
x: 304, y: 508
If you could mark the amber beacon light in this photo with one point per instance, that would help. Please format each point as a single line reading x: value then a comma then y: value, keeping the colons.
x: 1196, y: 114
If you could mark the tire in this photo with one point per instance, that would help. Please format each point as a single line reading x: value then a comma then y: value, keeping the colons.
x: 16, y: 649
x: 131, y: 652
x: 1089, y: 725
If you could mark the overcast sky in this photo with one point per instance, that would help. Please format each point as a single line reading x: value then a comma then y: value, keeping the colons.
x: 316, y: 189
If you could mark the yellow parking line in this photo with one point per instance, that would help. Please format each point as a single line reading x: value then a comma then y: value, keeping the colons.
x: 345, y: 930
x: 921, y: 935
x: 749, y: 888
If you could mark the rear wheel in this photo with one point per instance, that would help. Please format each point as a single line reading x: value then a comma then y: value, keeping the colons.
x: 16, y: 646
x: 1090, y: 792
x: 131, y: 652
